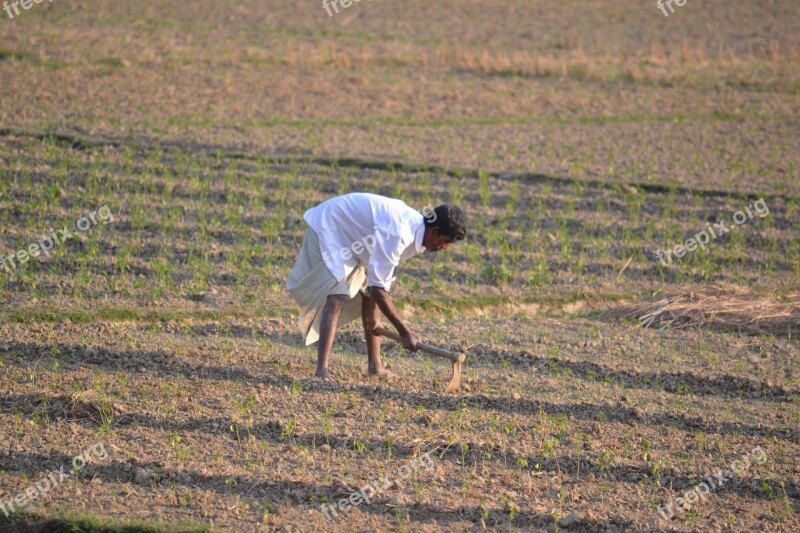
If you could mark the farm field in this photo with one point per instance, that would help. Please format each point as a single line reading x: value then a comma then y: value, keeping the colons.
x: 580, y: 138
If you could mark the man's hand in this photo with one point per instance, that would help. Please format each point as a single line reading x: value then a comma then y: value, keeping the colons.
x: 409, y: 340
x: 372, y: 325
x: 384, y: 302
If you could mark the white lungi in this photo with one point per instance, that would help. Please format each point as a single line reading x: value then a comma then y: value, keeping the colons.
x: 310, y: 283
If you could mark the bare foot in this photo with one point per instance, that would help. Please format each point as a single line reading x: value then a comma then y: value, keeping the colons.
x: 382, y: 372
x: 323, y: 374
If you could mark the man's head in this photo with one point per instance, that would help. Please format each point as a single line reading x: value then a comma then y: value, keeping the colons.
x: 443, y: 226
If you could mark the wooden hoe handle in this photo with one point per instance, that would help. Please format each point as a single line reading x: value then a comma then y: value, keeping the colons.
x: 427, y: 348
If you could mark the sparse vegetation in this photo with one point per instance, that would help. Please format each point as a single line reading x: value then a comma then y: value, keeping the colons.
x: 577, y: 150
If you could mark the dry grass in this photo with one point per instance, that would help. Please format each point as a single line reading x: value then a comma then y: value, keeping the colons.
x: 652, y: 64
x: 724, y: 309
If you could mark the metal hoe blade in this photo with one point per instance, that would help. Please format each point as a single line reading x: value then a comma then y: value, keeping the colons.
x: 455, y: 381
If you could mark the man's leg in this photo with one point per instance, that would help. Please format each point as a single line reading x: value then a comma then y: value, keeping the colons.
x: 327, y: 332
x: 371, y: 318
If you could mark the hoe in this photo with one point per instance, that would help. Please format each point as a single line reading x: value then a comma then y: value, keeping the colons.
x: 455, y: 358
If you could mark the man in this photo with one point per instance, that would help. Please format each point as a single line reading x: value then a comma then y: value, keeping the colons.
x: 346, y: 267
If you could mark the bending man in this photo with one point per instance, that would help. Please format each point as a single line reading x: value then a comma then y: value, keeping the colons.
x: 346, y: 266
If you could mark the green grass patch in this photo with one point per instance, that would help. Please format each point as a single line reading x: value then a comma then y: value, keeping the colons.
x: 123, y: 314
x: 68, y: 522
x: 5, y: 53
x: 111, y: 62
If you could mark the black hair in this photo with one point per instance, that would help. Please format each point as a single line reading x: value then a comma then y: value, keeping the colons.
x: 450, y: 221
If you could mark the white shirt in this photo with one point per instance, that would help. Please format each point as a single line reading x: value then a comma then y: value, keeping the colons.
x: 367, y: 229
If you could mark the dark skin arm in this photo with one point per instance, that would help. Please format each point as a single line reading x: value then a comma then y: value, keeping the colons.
x: 385, y: 304
x: 433, y: 241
